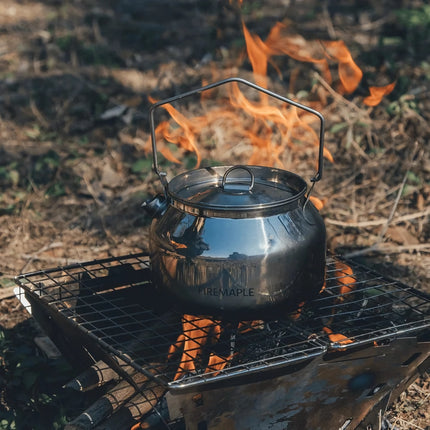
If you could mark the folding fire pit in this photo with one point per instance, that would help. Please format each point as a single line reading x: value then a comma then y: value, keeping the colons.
x: 334, y: 363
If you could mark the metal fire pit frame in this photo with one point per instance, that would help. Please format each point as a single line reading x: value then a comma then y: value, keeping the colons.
x: 112, y: 302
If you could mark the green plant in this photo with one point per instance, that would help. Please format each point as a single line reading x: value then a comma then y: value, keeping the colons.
x: 32, y: 385
x: 416, y: 26
x: 403, y: 104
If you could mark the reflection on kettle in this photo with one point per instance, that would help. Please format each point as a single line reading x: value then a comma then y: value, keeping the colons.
x: 190, y: 243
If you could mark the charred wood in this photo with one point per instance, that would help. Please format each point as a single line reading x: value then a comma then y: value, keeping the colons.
x: 135, y: 408
x: 107, y: 404
x: 96, y: 376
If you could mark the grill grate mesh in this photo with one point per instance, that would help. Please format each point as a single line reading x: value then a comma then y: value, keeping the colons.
x: 112, y: 302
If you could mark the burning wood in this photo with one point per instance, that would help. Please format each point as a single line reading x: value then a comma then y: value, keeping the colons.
x: 95, y: 376
x: 199, y: 333
x: 117, y: 398
x: 196, y: 333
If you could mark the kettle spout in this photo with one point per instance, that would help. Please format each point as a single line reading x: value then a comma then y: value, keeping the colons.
x: 156, y: 206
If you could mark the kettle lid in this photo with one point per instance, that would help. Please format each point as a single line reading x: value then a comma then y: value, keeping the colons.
x: 236, y: 188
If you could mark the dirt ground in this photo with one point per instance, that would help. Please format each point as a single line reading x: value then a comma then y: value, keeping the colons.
x: 75, y: 77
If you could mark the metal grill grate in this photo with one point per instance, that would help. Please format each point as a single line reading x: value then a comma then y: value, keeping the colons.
x: 112, y: 302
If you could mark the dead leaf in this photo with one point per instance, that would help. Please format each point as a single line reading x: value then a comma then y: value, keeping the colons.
x: 110, y: 178
x: 401, y: 235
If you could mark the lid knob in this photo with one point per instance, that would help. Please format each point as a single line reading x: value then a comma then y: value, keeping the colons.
x: 236, y: 185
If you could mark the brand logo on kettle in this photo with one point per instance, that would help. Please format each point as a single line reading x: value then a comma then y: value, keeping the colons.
x: 226, y: 292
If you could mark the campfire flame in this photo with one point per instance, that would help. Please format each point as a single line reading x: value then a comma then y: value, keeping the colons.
x: 377, y: 93
x: 196, y: 333
x: 344, y: 276
x: 267, y: 129
x: 337, y: 337
x: 217, y: 363
x: 199, y: 333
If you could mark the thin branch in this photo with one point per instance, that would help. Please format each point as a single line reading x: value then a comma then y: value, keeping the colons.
x: 31, y: 257
x: 378, y: 222
x: 329, y: 23
x: 337, y: 96
x: 388, y: 249
x: 56, y: 260
x: 399, y: 195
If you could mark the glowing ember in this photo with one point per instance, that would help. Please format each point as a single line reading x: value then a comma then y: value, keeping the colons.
x: 337, y: 337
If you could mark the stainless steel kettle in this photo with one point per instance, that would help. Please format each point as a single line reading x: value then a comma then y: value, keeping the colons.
x: 237, y: 241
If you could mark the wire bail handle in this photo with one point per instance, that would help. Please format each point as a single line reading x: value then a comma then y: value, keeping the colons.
x: 154, y: 106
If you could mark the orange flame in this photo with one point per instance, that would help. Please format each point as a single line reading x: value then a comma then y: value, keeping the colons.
x: 184, y: 137
x: 217, y: 363
x: 318, y: 203
x: 196, y: 332
x: 349, y: 73
x: 298, y: 312
x: 337, y: 337
x: 344, y: 277
x: 267, y: 128
x: 257, y: 54
x: 376, y: 94
x: 346, y: 282
x: 317, y: 52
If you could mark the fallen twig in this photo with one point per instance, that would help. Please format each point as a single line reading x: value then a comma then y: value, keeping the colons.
x: 337, y: 96
x: 378, y: 222
x: 398, y: 197
x: 388, y: 249
x: 56, y: 260
x: 31, y: 257
x: 406, y: 424
x: 7, y: 293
